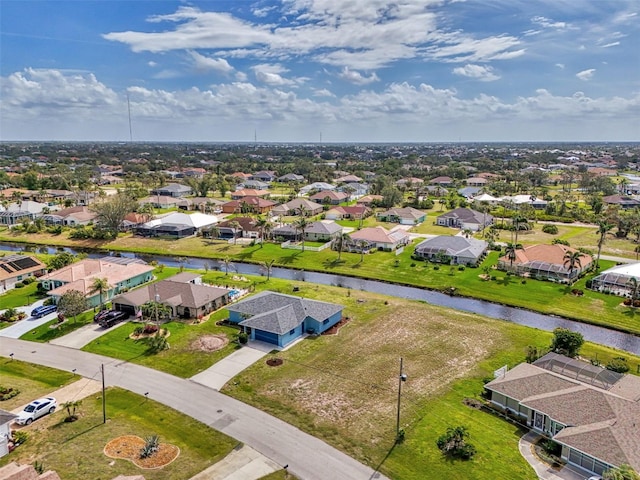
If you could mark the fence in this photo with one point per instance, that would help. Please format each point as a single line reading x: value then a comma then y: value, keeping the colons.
x: 298, y: 246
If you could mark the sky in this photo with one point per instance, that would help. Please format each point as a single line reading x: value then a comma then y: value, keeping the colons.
x: 320, y: 70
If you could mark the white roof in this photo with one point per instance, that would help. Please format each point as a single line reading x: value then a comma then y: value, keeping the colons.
x: 626, y: 269
x: 485, y: 197
x: 197, y: 220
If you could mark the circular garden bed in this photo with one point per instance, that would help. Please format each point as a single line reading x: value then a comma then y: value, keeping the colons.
x: 128, y: 447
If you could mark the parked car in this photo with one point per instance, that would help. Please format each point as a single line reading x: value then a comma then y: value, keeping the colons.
x: 100, y: 315
x: 112, y: 317
x: 36, y: 409
x: 43, y: 310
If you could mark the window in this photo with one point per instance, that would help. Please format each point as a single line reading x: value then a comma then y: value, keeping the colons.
x: 292, y: 331
x: 325, y: 321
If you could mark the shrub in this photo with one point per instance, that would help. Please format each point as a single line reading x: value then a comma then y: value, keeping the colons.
x: 28, y: 280
x: 149, y: 329
x: 453, y: 443
x: 436, y: 267
x: 139, y: 330
x: 559, y: 241
x: 8, y: 392
x: 550, y: 229
x: 627, y: 302
x: 636, y: 303
x: 461, y: 268
x: 19, y: 285
x: 551, y: 447
x: 151, y: 446
x: 618, y: 364
x: 243, y: 338
x: 413, y: 264
x: 19, y: 437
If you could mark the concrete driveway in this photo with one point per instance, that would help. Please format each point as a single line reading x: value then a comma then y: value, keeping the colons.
x: 544, y: 471
x: 23, y: 326
x: 221, y: 372
x: 83, y: 335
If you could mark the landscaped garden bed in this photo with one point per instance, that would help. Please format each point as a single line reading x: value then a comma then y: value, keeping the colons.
x: 129, y: 447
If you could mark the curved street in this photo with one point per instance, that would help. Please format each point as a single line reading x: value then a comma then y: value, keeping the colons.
x: 308, y: 457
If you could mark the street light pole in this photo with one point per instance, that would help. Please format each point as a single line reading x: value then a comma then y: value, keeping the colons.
x: 401, y: 378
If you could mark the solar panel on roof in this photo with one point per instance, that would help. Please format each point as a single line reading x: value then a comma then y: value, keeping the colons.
x: 26, y: 262
x: 4, y: 267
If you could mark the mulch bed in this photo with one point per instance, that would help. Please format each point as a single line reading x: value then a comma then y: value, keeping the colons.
x: 274, y: 362
x: 336, y: 328
x: 128, y: 447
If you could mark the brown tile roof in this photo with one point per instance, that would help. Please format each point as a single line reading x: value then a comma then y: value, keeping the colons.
x: 320, y: 196
x: 553, y: 254
x: 378, y: 235
x: 250, y: 192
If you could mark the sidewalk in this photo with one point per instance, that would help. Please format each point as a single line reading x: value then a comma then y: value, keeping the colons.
x: 243, y: 463
x: 544, y: 471
x: 221, y: 372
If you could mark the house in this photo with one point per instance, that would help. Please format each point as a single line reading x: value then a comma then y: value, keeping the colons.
x: 6, y: 419
x: 133, y: 220
x: 354, y: 189
x: 403, y: 216
x: 476, y: 181
x: 248, y: 205
x: 317, y: 186
x: 291, y: 178
x: 453, y: 250
x: 183, y: 293
x: 536, y: 203
x: 329, y: 197
x: 241, y: 176
x: 248, y: 192
x: 205, y: 204
x: 286, y: 232
x: 121, y: 273
x: 409, y: 182
x: 322, y: 231
x: 71, y: 216
x: 15, y: 268
x: 173, y: 190
x: 591, y: 412
x: 19, y: 211
x: 469, y: 192
x: 624, y: 201
x: 369, y: 200
x: 176, y: 225
x: 267, y: 176
x: 166, y: 201
x: 349, y: 212
x: 619, y: 280
x: 297, y: 206
x: 486, y: 198
x: 377, y: 238
x: 545, y: 262
x: 280, y: 319
x: 443, y: 181
x: 245, y: 227
x: 254, y: 184
x: 348, y: 179
x: 465, y: 218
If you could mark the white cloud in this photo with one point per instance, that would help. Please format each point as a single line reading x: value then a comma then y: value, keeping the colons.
x: 322, y: 92
x: 204, y: 64
x: 560, y: 66
x: 262, y: 12
x: 479, y: 72
x: 586, y: 75
x: 357, y: 78
x: 612, y: 44
x: 548, y: 23
x: 152, y: 64
x: 270, y: 74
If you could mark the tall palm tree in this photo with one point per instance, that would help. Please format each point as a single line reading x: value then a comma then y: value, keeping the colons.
x: 147, y: 211
x: 301, y: 226
x: 510, y: 251
x: 236, y: 227
x: 634, y: 285
x: 263, y: 225
x: 100, y: 285
x: 573, y: 260
x: 340, y: 241
x: 603, y: 228
x: 362, y: 244
x: 267, y: 266
x: 228, y: 265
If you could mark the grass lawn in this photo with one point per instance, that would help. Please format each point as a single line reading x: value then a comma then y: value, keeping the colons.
x: 75, y: 450
x: 32, y: 380
x: 182, y: 359
x: 19, y: 297
x: 343, y: 388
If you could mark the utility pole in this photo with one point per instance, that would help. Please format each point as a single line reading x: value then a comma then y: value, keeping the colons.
x: 104, y: 397
x: 401, y: 378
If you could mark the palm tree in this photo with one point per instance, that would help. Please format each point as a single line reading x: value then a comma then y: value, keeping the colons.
x: 228, y: 265
x: 573, y: 260
x: 603, y: 228
x: 147, y: 211
x: 362, y: 244
x: 634, y: 285
x: 100, y: 285
x: 236, y: 227
x: 510, y: 251
x: 267, y: 266
x: 71, y: 407
x: 301, y: 226
x: 263, y: 225
x: 340, y: 241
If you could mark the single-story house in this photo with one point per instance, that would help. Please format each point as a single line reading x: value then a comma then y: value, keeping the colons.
x: 319, y: 186
x: 453, y: 250
x: 436, y: 190
x: 410, y: 181
x: 591, y: 412
x: 545, y: 262
x: 486, y: 198
x: 296, y: 206
x: 280, y: 319
x: 248, y: 192
x: 465, y: 218
x: 469, y: 192
x: 348, y: 179
x: 254, y: 184
x: 205, y: 204
x: 264, y: 176
x: 177, y: 224
x: 173, y: 190
x: 245, y: 227
x: 377, y: 238
x: 17, y: 212
x: 15, y: 268
x: 476, y: 181
x: 618, y: 279
x: 184, y: 293
x: 79, y: 215
x: 443, y: 181
x: 341, y: 213
x: 624, y: 201
x: 6, y: 419
x: 291, y: 178
x: 368, y: 200
x: 403, y: 216
x: 354, y: 189
x: 121, y: 273
x: 536, y: 203
x: 322, y: 231
x: 286, y: 232
x: 330, y: 197
x: 248, y: 205
x: 166, y: 201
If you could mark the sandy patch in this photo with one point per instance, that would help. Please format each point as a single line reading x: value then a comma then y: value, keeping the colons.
x: 209, y: 343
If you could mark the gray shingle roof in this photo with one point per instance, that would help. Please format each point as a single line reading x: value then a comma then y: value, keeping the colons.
x: 453, y: 246
x: 279, y: 313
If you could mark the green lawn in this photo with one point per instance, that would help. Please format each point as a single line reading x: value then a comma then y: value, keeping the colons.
x: 75, y: 450
x: 19, y: 297
x: 31, y: 380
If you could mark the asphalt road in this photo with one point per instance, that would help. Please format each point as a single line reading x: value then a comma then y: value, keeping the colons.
x: 308, y: 458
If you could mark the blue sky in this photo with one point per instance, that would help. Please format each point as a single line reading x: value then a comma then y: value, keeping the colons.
x: 289, y: 71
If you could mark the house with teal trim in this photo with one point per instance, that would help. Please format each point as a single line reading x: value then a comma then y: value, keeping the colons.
x: 280, y: 319
x: 121, y: 273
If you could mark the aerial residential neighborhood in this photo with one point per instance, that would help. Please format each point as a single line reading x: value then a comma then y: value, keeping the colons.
x: 295, y: 293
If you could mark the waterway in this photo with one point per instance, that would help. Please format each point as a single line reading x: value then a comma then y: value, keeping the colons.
x: 592, y: 333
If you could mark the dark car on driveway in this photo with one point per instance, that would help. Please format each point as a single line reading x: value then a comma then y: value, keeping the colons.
x: 111, y: 318
x: 100, y: 315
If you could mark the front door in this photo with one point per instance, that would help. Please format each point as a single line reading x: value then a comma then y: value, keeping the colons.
x: 538, y: 420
